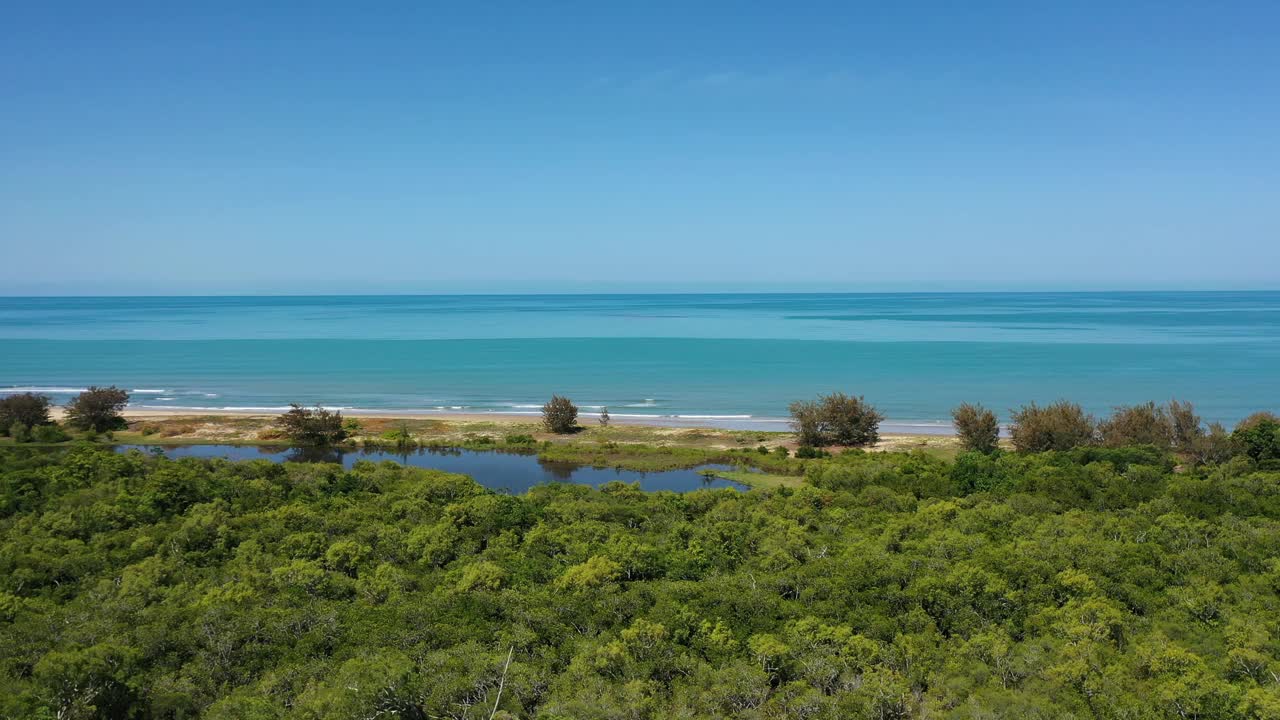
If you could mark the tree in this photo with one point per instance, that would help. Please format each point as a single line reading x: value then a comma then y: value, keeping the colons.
x: 1146, y: 424
x: 29, y: 409
x: 317, y: 426
x: 1259, y: 440
x: 1258, y: 417
x: 98, y: 409
x: 20, y: 432
x: 835, y: 419
x: 977, y: 427
x: 1059, y: 426
x: 560, y: 415
x: 852, y: 421
x: 1187, y: 429
x: 808, y: 422
x: 604, y: 417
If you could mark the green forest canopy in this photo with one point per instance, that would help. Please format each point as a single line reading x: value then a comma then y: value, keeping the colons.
x: 1097, y: 583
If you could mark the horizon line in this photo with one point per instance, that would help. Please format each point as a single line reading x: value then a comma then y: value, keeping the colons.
x: 1149, y: 291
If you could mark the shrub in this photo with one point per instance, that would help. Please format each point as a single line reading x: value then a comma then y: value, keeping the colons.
x: 1212, y: 447
x: 781, y: 451
x: 1259, y: 440
x: 1256, y: 418
x: 29, y: 409
x: 1060, y: 426
x: 173, y: 430
x: 519, y: 439
x: 807, y: 421
x: 560, y: 415
x: 98, y: 409
x: 1146, y: 424
x: 51, y: 433
x: 1187, y: 431
x: 19, y: 431
x: 604, y: 417
x: 149, y: 428
x: 977, y: 427
x: 835, y: 419
x: 399, y: 436
x: 318, y: 426
x: 805, y: 452
x: 852, y: 421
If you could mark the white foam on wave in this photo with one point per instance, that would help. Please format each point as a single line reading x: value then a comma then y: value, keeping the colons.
x: 242, y: 408
x: 40, y: 389
x: 147, y: 391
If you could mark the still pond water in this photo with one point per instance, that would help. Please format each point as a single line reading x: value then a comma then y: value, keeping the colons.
x: 503, y: 471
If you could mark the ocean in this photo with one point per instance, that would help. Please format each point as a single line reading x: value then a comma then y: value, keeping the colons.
x: 732, y: 360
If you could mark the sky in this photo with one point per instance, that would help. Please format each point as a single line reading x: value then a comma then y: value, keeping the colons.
x: 430, y: 147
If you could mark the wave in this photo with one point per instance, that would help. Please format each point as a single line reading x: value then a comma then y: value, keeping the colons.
x: 146, y: 391
x: 245, y: 408
x: 39, y: 389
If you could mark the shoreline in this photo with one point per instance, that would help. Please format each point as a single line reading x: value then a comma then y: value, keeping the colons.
x: 693, y: 422
x: 182, y: 427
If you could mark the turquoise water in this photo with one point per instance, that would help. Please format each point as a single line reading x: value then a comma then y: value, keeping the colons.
x: 732, y: 360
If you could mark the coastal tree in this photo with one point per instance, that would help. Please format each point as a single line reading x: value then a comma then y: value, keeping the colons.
x: 1186, y: 425
x: 1259, y: 439
x: 1062, y: 425
x: 97, y: 409
x: 560, y: 415
x: 1259, y: 417
x: 835, y: 419
x: 977, y: 427
x: 851, y: 420
x: 604, y: 417
x: 1145, y: 424
x: 312, y: 426
x: 29, y: 409
x: 808, y: 423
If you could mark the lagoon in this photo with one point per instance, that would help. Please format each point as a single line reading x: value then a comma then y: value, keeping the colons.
x: 504, y: 471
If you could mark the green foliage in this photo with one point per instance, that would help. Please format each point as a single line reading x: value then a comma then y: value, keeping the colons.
x: 1061, y: 425
x: 560, y: 415
x: 98, y: 409
x: 836, y: 419
x: 520, y: 439
x: 28, y: 409
x: 315, y: 427
x: 1146, y: 424
x: 1259, y: 439
x: 48, y: 434
x: 20, y: 432
x: 1094, y: 582
x: 399, y: 437
x: 977, y: 427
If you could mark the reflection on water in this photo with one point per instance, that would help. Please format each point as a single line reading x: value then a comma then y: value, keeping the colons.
x: 513, y: 472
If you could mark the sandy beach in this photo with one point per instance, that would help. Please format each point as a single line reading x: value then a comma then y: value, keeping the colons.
x: 251, y: 426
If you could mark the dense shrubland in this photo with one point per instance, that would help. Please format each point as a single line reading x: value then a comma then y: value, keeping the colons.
x: 1096, y: 582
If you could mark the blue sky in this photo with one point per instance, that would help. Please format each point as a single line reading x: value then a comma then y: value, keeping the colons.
x: 532, y: 147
